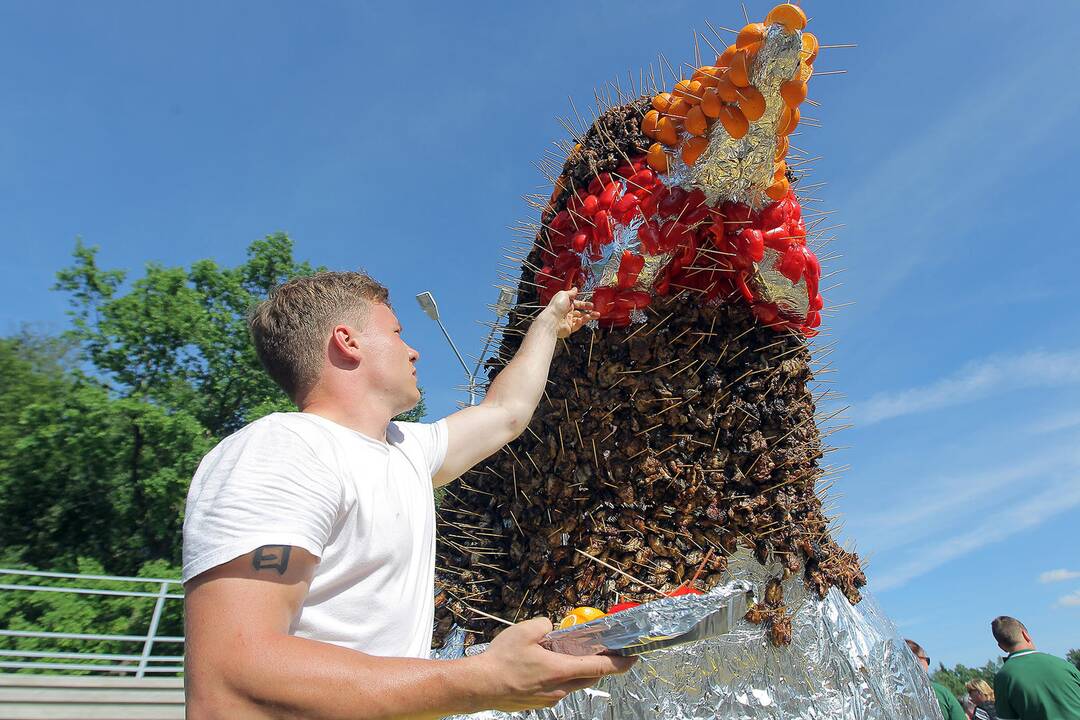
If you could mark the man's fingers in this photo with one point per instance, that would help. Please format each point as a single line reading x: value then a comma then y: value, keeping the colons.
x: 597, y: 666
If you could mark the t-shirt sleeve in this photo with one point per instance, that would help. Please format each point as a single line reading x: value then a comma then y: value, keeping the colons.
x: 268, y: 487
x: 432, y: 440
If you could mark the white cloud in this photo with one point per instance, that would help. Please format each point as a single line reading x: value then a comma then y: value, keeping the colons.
x: 1054, y: 499
x: 1058, y: 575
x: 976, y: 380
x: 1070, y: 600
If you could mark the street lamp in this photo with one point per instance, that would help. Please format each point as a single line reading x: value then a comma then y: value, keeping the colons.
x: 427, y: 304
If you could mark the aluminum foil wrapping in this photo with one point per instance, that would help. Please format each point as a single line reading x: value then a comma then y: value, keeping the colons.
x: 741, y: 170
x: 844, y: 662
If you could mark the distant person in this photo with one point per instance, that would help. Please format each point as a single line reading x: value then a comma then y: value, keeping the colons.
x: 1032, y: 685
x: 967, y: 705
x: 950, y: 706
x: 982, y: 697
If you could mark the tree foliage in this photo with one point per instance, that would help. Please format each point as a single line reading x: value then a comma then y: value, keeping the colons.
x: 955, y: 678
x: 102, y: 429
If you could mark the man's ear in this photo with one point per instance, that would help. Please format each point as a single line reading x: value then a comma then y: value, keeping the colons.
x: 345, y: 342
x: 1027, y: 638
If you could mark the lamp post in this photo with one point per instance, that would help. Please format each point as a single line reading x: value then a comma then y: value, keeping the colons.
x: 427, y: 304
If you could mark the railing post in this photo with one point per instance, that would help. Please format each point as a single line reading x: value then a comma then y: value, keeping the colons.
x: 159, y: 605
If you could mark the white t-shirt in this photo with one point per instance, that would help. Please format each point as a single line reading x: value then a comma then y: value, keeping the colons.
x: 365, y: 507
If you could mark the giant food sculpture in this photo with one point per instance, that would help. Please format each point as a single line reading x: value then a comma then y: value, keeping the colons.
x: 678, y: 446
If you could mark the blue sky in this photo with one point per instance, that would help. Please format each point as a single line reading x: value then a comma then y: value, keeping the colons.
x: 400, y: 137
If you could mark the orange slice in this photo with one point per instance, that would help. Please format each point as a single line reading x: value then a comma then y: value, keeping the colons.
x: 739, y: 72
x: 810, y: 48
x: 793, y: 92
x: 666, y: 131
x: 751, y: 102
x: 693, y: 148
x: 710, y: 103
x: 648, y: 123
x: 790, y: 16
x: 661, y: 102
x: 657, y: 158
x: 734, y: 121
x: 752, y: 33
x: 696, y: 123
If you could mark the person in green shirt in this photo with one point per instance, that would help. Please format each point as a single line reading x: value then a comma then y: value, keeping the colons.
x: 950, y: 706
x: 1032, y: 685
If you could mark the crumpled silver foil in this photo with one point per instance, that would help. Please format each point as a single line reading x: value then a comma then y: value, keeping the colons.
x: 662, y: 623
x: 742, y: 169
x: 845, y: 662
x: 772, y: 286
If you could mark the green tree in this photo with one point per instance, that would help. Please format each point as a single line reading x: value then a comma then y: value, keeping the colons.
x: 955, y: 678
x: 178, y: 337
x: 1073, y: 656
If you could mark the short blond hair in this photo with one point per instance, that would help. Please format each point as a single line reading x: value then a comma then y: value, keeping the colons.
x: 291, y: 327
x: 980, y: 685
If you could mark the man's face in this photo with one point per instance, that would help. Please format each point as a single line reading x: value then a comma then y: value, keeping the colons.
x: 389, y: 361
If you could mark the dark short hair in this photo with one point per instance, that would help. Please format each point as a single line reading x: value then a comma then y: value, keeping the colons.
x: 292, y: 326
x: 916, y: 648
x: 1008, y: 631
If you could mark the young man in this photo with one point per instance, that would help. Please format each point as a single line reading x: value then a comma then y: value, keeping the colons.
x: 309, y: 537
x: 950, y: 706
x: 1032, y: 685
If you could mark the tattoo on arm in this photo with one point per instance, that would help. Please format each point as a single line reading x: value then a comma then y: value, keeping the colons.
x: 272, y: 557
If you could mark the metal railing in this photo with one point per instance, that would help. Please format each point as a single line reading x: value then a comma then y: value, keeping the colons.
x: 139, y: 662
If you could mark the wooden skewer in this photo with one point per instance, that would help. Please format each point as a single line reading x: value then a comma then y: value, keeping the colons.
x: 621, y: 572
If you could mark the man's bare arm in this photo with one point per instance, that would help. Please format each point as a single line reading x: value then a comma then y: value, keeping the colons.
x: 476, y: 432
x: 242, y: 662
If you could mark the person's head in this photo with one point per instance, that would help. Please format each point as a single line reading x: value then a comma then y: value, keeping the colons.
x: 979, y: 691
x: 336, y: 328
x: 919, y: 653
x: 1010, y: 633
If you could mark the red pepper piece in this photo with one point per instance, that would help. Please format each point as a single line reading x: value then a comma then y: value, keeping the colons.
x: 602, y: 219
x: 599, y: 182
x: 626, y: 171
x: 751, y: 243
x: 579, y: 242
x: 602, y: 299
x: 681, y: 591
x: 641, y: 180
x: 689, y: 251
x: 791, y: 264
x: 629, y: 268
x: 625, y: 208
x: 649, y: 235
x: 774, y: 215
x: 607, y: 197
x: 619, y: 607
x: 673, y: 235
x: 648, y: 202
x: 740, y: 282
x: 765, y: 312
x: 673, y: 202
x: 777, y: 238
x: 816, y: 303
x: 590, y: 205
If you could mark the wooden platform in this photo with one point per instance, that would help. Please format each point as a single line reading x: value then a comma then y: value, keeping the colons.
x: 52, y: 697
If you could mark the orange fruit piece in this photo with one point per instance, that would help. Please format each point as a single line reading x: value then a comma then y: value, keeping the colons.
x: 778, y: 189
x: 804, y: 73
x: 780, y: 171
x: 679, y: 107
x: 661, y: 102
x: 752, y: 33
x: 790, y: 16
x: 696, y: 123
x: 734, y: 121
x: 782, y: 145
x: 727, y: 90
x: 710, y: 103
x: 657, y: 158
x: 681, y: 89
x: 793, y: 92
x: 724, y: 58
x: 648, y: 123
x: 810, y: 48
x: 751, y: 102
x: 739, y: 72
x: 693, y: 148
x: 580, y: 615
x: 710, y: 72
x: 789, y: 120
x: 666, y: 132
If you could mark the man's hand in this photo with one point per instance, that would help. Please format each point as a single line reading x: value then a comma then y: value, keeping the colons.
x: 568, y: 313
x: 525, y: 676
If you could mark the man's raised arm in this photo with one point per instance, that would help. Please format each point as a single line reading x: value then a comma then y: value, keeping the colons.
x: 476, y: 432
